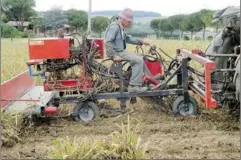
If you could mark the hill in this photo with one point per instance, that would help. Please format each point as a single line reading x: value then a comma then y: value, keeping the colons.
x: 136, y: 13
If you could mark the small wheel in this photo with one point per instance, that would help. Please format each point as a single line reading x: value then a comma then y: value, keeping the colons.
x: 86, y: 111
x: 179, y: 107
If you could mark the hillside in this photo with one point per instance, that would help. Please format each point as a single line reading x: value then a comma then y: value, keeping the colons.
x: 143, y: 17
x: 136, y: 13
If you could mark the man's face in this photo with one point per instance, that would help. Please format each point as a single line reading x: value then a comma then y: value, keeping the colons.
x: 125, y: 23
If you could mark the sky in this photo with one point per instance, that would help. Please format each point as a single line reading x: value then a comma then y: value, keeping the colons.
x: 164, y: 7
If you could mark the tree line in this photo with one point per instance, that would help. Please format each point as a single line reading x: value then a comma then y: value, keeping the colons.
x: 194, y: 22
x: 20, y: 11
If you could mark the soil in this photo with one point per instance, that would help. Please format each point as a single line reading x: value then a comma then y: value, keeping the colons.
x: 210, y: 135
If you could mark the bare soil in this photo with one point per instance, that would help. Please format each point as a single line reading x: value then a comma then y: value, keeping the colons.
x: 210, y: 135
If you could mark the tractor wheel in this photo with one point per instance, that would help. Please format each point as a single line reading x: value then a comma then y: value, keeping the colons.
x: 86, y: 111
x: 179, y: 109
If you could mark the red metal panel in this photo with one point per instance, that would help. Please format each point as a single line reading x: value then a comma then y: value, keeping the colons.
x: 84, y: 83
x: 15, y: 87
x: 51, y: 48
x: 154, y: 67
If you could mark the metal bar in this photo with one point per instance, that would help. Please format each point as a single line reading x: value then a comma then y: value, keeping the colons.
x: 27, y: 100
x: 163, y: 84
x: 222, y: 55
x: 223, y: 70
x: 89, y: 17
x: 118, y: 95
x: 200, y: 83
x: 185, y: 80
x: 197, y: 90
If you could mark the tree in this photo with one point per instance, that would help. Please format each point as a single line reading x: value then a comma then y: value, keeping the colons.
x: 99, y: 24
x: 77, y: 18
x: 155, y: 25
x: 18, y: 10
x: 176, y: 21
x: 165, y: 25
x: 186, y: 25
x: 206, y: 18
x: 54, y: 18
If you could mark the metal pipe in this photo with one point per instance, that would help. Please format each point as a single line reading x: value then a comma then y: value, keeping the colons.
x: 222, y: 55
x: 224, y: 70
x: 89, y: 17
x: 195, y: 88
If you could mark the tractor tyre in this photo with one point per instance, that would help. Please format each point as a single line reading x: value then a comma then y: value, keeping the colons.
x: 86, y: 111
x: 179, y: 109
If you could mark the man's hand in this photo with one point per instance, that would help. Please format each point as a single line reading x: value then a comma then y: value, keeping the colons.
x: 117, y: 59
x: 145, y: 43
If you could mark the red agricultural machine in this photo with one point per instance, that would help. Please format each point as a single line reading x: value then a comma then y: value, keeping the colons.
x: 76, y: 71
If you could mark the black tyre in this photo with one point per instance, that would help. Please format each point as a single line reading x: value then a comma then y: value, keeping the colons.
x: 179, y: 109
x: 86, y: 111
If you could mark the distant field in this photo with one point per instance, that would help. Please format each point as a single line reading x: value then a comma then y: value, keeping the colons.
x: 13, y: 58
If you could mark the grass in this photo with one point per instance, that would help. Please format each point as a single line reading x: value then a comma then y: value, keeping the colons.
x: 125, y: 143
x: 11, y: 127
x: 13, y: 58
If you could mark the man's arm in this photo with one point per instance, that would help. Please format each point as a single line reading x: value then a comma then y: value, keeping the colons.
x: 109, y: 40
x: 132, y: 40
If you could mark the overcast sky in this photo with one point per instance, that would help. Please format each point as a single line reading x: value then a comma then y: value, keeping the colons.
x: 164, y: 7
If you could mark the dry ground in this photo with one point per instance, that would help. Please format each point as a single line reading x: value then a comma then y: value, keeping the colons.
x: 210, y: 135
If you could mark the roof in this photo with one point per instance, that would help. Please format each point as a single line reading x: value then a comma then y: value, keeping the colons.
x: 13, y: 23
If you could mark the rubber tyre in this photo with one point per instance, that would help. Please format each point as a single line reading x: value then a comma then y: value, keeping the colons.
x: 89, y: 108
x: 179, y: 102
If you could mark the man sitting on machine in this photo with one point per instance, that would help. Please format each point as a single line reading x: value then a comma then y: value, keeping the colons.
x: 115, y: 44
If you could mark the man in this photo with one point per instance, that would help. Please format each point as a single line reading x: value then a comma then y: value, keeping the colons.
x: 115, y: 44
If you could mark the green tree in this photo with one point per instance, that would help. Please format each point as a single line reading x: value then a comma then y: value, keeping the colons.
x: 155, y: 25
x: 99, y: 24
x: 165, y: 25
x: 18, y: 10
x: 206, y: 18
x: 54, y: 18
x: 186, y: 25
x: 78, y: 19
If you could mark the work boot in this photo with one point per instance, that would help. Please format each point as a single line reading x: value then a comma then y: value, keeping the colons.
x: 137, y: 89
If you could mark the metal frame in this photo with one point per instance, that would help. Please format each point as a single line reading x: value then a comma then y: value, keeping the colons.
x: 181, y: 88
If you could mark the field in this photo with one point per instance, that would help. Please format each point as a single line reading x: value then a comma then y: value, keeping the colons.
x: 210, y: 135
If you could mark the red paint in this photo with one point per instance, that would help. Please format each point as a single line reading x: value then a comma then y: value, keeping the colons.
x: 100, y: 43
x: 73, y: 84
x: 15, y: 87
x: 50, y: 110
x: 154, y: 67
x: 49, y: 48
x: 195, y: 51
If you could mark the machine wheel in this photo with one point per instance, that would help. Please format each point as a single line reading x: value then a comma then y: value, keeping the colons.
x: 86, y: 111
x: 178, y: 107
